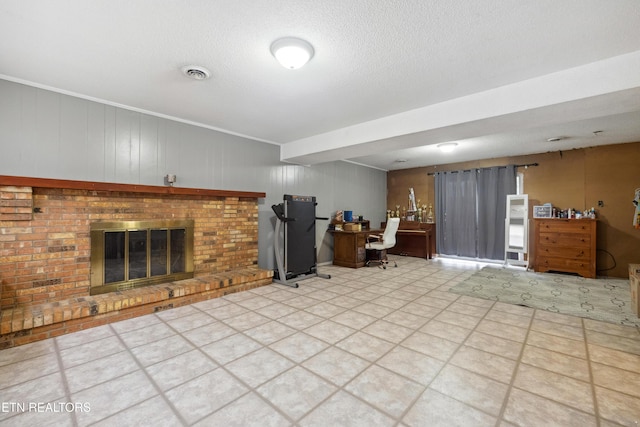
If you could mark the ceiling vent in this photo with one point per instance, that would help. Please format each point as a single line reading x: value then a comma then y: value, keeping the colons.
x: 196, y: 72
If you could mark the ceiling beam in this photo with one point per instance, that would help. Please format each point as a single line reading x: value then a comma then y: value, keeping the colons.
x: 569, y: 95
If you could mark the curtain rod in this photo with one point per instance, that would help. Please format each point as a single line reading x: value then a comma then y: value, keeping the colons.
x: 469, y: 170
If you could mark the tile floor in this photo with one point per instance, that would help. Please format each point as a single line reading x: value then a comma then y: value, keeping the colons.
x: 369, y: 347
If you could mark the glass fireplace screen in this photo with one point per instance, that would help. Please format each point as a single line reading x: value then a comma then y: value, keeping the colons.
x: 130, y: 254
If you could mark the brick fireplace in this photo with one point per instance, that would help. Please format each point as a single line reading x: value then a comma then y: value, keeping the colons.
x: 45, y: 248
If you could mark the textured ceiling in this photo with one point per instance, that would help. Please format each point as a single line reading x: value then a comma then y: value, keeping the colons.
x: 389, y: 79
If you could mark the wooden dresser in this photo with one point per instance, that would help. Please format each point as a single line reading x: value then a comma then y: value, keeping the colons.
x: 566, y: 245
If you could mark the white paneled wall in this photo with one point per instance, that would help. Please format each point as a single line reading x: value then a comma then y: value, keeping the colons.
x: 50, y: 135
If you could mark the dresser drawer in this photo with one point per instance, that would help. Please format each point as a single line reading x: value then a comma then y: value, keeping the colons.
x: 582, y: 267
x: 565, y: 226
x: 570, y: 240
x: 564, y: 252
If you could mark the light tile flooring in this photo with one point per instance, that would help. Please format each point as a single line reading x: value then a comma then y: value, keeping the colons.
x: 369, y: 347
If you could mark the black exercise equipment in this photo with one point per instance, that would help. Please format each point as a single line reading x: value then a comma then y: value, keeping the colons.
x: 298, y: 214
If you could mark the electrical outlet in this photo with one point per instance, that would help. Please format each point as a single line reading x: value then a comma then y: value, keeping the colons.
x: 600, y: 203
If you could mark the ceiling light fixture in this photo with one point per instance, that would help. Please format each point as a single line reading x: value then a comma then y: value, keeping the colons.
x: 447, y: 147
x: 556, y: 138
x: 292, y: 53
x: 196, y: 72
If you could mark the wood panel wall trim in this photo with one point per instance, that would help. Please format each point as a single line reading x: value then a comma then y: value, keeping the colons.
x: 19, y: 181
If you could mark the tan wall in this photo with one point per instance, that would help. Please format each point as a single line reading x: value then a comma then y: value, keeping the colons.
x: 575, y: 179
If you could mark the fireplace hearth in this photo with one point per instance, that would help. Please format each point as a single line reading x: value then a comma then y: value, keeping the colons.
x: 47, y: 246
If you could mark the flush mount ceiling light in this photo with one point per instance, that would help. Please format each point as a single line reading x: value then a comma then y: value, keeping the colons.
x: 196, y: 72
x: 556, y: 138
x: 292, y: 53
x: 447, y: 147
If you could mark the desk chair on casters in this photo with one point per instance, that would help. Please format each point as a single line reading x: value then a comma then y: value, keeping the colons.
x: 378, y: 244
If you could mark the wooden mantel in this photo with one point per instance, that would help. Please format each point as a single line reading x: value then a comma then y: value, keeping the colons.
x: 19, y: 181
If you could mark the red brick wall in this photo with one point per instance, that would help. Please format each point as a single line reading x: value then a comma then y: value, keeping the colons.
x: 45, y: 256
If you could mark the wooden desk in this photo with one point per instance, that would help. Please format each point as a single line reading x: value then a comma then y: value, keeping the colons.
x: 416, y: 239
x: 348, y: 247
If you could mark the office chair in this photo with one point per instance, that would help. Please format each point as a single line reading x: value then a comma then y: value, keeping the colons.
x: 380, y: 244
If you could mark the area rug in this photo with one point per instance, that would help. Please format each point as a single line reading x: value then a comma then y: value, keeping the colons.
x: 608, y: 300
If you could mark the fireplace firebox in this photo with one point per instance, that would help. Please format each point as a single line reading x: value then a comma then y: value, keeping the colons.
x: 130, y: 254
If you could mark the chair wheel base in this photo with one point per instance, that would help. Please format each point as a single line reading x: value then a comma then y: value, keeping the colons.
x: 381, y: 263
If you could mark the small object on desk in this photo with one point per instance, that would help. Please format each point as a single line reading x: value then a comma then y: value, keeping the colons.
x: 430, y: 214
x: 412, y: 200
x: 543, y: 211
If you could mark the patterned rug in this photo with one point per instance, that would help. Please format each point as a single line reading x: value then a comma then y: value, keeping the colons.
x: 608, y: 299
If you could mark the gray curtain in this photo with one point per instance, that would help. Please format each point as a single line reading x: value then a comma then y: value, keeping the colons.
x: 471, y: 210
x: 456, y: 221
x: 494, y: 184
